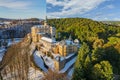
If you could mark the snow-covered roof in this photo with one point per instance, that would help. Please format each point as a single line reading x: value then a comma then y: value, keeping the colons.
x: 66, y: 42
x: 48, y: 39
x: 40, y: 33
x: 41, y: 26
x: 60, y: 58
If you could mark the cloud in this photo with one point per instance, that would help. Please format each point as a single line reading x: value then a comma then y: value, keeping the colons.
x: 116, y: 19
x: 110, y: 6
x: 14, y: 4
x: 73, y: 7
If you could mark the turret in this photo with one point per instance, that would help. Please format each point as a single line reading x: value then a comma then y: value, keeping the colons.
x: 70, y: 38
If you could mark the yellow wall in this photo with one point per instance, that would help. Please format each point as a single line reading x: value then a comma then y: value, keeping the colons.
x: 65, y: 50
x: 59, y: 64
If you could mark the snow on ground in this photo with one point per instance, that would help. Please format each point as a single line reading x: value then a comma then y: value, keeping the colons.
x: 10, y: 42
x: 16, y: 40
x: 2, y: 51
x: 67, y: 65
x: 35, y: 74
x: 32, y: 75
x: 70, y: 55
x: 70, y: 72
x: 49, y: 62
x: 39, y: 61
x: 61, y: 57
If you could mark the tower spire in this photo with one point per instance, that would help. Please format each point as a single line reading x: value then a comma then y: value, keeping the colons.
x: 45, y: 22
x: 46, y: 19
x: 70, y: 38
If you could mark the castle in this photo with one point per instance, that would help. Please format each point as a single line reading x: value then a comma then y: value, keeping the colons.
x: 44, y: 37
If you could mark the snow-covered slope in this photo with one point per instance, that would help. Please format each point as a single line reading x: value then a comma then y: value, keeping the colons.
x: 68, y: 65
x: 39, y: 61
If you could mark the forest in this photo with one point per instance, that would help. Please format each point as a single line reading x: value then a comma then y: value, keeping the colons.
x: 99, y: 55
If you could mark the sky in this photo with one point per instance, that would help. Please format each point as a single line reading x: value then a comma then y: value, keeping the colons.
x: 22, y: 9
x: 94, y: 9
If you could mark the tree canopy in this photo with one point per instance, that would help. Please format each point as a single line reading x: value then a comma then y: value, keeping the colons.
x: 99, y: 55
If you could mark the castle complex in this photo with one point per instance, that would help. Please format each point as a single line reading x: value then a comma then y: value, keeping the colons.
x: 39, y: 31
x: 44, y: 37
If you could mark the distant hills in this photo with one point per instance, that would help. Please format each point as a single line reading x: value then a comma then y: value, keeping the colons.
x: 112, y: 22
x: 7, y: 19
x: 83, y: 29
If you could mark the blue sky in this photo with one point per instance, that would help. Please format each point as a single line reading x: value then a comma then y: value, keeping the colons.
x: 22, y: 9
x: 93, y: 9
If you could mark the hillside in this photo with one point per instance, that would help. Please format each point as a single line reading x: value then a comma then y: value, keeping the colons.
x: 29, y: 19
x: 99, y: 55
x: 84, y: 29
x: 5, y: 19
x: 17, y: 63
